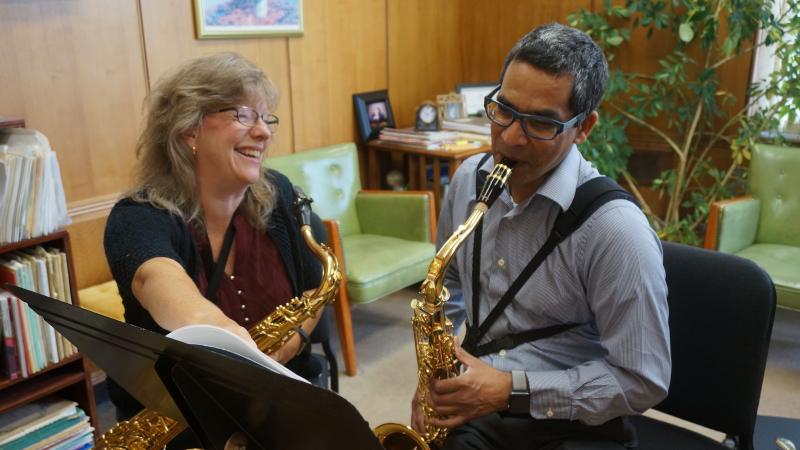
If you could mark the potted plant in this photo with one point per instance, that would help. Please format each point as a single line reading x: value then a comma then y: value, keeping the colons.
x: 682, y: 104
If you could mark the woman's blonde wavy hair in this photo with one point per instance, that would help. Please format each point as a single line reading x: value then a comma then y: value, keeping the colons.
x: 165, y: 171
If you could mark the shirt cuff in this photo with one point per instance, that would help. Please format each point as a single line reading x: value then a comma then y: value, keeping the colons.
x: 550, y: 394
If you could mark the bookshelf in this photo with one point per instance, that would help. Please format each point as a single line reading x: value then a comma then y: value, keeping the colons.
x: 69, y: 378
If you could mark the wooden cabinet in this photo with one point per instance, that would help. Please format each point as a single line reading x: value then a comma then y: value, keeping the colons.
x: 70, y: 377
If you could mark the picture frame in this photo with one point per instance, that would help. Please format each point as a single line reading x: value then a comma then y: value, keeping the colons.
x: 474, y: 93
x: 451, y: 106
x: 373, y: 113
x: 223, y: 19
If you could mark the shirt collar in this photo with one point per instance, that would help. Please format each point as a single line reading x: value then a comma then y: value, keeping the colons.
x: 561, y: 184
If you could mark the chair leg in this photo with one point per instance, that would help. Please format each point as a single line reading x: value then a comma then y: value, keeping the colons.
x: 342, y: 304
x: 333, y: 366
x: 345, y: 325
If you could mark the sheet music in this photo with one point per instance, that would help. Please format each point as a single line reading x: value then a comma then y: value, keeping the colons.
x: 216, y: 337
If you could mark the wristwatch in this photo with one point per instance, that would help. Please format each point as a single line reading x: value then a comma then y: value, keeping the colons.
x: 519, y: 401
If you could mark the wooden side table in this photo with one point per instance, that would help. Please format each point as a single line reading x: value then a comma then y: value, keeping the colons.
x: 416, y: 160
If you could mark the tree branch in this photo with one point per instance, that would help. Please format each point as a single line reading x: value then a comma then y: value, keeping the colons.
x: 672, y: 144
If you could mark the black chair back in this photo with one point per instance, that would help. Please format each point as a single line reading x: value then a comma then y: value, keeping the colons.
x: 721, y: 310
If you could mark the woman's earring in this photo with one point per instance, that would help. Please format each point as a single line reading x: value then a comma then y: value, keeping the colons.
x: 194, y: 151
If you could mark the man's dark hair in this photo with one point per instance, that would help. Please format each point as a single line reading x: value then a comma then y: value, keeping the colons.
x: 558, y: 50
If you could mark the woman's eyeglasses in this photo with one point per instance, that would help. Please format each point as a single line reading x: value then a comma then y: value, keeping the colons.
x: 248, y: 117
x: 534, y: 126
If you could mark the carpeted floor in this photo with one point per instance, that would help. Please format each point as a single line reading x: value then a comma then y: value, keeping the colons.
x: 386, y: 379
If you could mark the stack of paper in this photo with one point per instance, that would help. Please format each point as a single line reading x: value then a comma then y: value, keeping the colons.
x: 477, y: 125
x: 32, y: 201
x: 426, y: 139
x: 51, y: 424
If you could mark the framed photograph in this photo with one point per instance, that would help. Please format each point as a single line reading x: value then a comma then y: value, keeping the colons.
x: 451, y: 106
x: 474, y: 94
x: 373, y: 113
x: 222, y: 19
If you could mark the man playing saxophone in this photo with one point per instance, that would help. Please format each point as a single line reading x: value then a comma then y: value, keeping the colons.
x: 581, y: 341
x: 206, y: 235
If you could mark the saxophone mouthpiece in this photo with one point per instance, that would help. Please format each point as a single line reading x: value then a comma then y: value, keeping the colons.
x: 496, y: 181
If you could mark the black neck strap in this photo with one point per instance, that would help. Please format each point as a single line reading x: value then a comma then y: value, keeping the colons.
x: 214, y: 270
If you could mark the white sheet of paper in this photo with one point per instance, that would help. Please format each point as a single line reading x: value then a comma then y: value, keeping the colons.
x: 216, y: 337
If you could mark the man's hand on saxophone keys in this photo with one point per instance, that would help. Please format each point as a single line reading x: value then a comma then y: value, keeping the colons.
x: 479, y: 390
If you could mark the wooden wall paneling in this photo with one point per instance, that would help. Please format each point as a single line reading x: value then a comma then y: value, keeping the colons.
x: 73, y: 70
x: 169, y: 39
x: 342, y: 52
x: 488, y: 31
x: 424, y: 41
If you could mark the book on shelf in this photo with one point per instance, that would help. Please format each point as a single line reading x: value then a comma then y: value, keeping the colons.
x: 31, y: 190
x: 50, y: 424
x: 10, y: 362
x: 29, y: 343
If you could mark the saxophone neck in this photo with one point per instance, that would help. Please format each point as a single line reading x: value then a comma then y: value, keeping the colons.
x: 437, y: 268
x: 492, y: 187
x: 331, y: 275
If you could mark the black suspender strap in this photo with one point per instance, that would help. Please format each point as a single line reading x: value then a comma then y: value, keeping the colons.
x: 214, y: 271
x: 588, y: 198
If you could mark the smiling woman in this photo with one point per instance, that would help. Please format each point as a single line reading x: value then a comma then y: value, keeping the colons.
x: 190, y: 242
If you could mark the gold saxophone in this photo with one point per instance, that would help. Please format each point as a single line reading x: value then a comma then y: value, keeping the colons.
x: 150, y: 430
x: 433, y: 332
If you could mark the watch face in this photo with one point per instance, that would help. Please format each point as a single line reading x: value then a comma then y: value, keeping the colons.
x: 427, y: 114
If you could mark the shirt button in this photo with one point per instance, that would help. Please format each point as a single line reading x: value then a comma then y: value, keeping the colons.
x: 239, y: 292
x: 247, y: 319
x: 550, y: 413
x: 501, y: 262
x: 502, y: 353
x: 242, y: 306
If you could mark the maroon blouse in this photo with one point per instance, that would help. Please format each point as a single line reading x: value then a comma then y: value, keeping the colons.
x: 260, y: 281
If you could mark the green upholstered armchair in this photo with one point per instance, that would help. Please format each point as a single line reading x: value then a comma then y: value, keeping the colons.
x: 383, y: 239
x: 765, y: 227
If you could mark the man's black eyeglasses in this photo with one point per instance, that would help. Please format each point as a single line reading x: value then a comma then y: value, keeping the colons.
x: 534, y: 126
x: 248, y: 117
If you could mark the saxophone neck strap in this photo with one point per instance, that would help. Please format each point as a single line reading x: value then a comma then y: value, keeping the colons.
x: 588, y: 198
x: 214, y: 270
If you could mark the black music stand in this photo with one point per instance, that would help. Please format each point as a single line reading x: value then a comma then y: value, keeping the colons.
x: 217, y: 393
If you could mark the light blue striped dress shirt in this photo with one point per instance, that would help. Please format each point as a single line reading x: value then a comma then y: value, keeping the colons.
x: 608, y: 276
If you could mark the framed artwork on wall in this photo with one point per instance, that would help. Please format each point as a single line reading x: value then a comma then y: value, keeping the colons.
x: 223, y: 19
x: 373, y: 113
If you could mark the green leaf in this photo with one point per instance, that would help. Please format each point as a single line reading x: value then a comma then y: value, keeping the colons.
x: 614, y: 41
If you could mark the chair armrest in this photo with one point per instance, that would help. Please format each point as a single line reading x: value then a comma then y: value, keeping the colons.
x: 403, y: 214
x: 732, y: 224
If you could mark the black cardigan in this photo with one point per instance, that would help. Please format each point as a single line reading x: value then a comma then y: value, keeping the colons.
x: 136, y: 232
